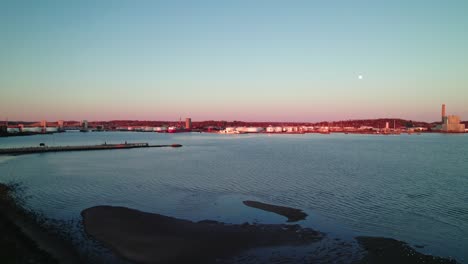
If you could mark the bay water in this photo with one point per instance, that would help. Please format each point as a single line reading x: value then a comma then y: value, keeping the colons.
x: 412, y: 188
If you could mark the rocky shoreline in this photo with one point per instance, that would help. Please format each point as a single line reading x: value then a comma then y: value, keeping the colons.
x: 24, y: 239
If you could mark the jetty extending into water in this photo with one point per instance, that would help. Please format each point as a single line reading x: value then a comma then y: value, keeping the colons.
x: 43, y: 148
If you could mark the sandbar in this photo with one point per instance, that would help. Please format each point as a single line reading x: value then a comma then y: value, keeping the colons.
x: 153, y: 238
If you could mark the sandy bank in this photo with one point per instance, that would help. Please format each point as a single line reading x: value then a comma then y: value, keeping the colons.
x: 292, y: 214
x: 154, y: 238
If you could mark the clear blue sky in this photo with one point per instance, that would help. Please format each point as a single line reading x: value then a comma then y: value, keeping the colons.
x: 233, y: 60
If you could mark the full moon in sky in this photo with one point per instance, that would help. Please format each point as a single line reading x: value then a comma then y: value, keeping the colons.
x: 360, y: 77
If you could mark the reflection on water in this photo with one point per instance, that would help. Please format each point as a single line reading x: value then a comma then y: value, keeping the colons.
x: 411, y: 188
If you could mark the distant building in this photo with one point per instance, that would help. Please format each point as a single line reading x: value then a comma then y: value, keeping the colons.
x: 249, y: 129
x: 84, y: 125
x: 160, y: 129
x: 13, y: 130
x: 450, y: 123
x: 32, y: 129
x: 44, y: 123
x: 270, y: 129
x: 51, y: 129
x: 60, y: 124
x: 291, y: 129
x: 188, y: 123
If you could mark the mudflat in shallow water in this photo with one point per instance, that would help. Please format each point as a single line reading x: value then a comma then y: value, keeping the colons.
x: 411, y: 188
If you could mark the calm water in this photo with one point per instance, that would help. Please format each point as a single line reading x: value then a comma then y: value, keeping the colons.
x: 412, y: 188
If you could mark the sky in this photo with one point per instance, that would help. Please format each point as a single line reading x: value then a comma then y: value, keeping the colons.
x: 233, y: 60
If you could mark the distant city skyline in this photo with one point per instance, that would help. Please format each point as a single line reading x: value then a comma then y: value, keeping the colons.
x: 304, y: 61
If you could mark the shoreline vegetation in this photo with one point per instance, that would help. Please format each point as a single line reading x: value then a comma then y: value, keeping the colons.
x: 143, y: 237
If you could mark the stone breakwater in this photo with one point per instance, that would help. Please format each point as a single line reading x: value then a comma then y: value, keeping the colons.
x: 44, y: 149
x: 292, y: 214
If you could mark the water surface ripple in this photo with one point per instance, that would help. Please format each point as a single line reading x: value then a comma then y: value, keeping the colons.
x: 412, y: 188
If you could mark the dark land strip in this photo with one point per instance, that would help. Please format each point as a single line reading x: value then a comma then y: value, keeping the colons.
x: 390, y: 251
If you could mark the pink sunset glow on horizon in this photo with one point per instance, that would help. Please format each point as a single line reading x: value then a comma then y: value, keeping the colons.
x: 249, y: 114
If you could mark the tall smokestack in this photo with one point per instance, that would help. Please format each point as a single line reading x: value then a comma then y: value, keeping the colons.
x: 443, y: 111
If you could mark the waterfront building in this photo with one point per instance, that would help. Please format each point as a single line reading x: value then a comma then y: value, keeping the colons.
x: 349, y: 129
x: 230, y: 130
x: 160, y: 129
x: 291, y: 129
x: 249, y: 129
x: 31, y: 129
x: 255, y: 129
x: 51, y: 129
x: 84, y: 124
x: 450, y: 123
x: 188, y: 123
x: 272, y: 129
x: 12, y: 130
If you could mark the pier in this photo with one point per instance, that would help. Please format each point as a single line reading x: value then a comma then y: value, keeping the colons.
x: 43, y: 149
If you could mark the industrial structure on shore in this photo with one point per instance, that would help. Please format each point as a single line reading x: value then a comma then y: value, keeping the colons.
x: 450, y: 123
x: 37, y: 128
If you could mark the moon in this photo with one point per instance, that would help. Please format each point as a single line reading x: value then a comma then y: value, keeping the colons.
x: 360, y: 77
